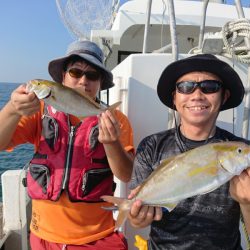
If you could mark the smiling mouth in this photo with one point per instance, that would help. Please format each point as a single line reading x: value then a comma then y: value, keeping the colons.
x: 197, y: 108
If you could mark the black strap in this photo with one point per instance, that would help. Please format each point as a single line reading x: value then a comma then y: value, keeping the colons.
x: 39, y: 156
x: 102, y: 160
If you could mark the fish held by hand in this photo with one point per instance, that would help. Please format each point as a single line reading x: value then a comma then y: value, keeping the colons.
x: 65, y: 99
x: 195, y: 172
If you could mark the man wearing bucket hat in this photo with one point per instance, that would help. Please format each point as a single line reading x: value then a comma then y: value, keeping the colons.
x: 198, y: 88
x: 70, y: 171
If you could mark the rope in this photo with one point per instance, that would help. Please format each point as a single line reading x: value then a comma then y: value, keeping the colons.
x: 245, y: 232
x: 234, y: 34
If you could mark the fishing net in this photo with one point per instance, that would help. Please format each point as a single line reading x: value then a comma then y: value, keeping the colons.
x: 82, y: 16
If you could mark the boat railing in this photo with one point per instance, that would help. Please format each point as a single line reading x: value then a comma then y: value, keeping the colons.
x: 15, y: 211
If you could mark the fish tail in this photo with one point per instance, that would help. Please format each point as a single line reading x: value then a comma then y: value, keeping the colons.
x: 123, y: 206
x: 114, y: 106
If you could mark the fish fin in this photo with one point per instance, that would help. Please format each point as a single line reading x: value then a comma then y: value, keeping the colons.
x: 113, y: 208
x: 112, y: 199
x: 53, y: 97
x: 166, y: 161
x: 124, y: 208
x: 163, y: 164
x: 89, y: 99
x: 122, y: 216
x: 114, y: 106
x: 81, y: 117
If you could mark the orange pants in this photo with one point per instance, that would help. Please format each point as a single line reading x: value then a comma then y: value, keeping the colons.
x: 114, y: 241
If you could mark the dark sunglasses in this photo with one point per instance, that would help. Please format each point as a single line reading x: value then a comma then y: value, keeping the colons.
x: 206, y: 86
x: 78, y: 73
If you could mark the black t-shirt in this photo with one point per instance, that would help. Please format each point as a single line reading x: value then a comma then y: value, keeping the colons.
x: 209, y: 221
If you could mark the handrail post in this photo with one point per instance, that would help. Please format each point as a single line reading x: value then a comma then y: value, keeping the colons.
x: 203, y: 21
x: 145, y: 40
x: 245, y: 125
x: 175, y: 52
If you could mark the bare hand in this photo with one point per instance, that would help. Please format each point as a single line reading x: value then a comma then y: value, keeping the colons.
x: 240, y: 186
x: 140, y: 215
x: 109, y: 128
x: 24, y: 103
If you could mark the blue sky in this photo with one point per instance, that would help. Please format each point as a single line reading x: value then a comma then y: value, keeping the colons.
x: 32, y: 34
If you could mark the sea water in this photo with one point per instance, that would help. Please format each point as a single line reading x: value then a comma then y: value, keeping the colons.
x: 21, y: 154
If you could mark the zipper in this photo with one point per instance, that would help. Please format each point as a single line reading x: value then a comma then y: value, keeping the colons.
x: 69, y: 155
x: 55, y: 129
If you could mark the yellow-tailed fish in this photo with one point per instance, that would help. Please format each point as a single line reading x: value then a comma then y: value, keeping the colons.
x: 65, y: 99
x: 195, y: 172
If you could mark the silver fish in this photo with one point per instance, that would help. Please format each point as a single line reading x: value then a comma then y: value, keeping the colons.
x: 65, y: 99
x: 195, y: 172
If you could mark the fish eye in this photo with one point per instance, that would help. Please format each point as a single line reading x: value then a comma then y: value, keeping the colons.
x: 239, y: 150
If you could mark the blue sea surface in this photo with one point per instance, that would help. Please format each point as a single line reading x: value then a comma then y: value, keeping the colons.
x: 21, y: 154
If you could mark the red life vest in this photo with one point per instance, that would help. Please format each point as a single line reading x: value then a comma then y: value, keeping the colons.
x: 69, y: 158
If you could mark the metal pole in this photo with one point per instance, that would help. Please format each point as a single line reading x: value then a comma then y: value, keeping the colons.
x: 203, y: 21
x: 175, y: 52
x: 145, y: 40
x: 163, y: 49
x: 172, y: 24
x: 239, y: 9
x: 245, y: 126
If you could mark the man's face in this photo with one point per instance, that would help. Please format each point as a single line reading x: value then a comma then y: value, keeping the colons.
x: 89, y: 84
x: 198, y: 108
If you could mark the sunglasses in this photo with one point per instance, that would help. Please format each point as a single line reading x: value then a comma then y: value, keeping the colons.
x: 206, y: 86
x: 78, y: 73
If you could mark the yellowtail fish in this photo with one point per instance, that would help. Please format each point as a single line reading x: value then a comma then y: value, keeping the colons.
x: 65, y: 99
x: 195, y: 172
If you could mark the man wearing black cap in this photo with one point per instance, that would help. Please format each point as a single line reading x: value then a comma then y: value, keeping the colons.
x: 74, y: 161
x: 198, y: 88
